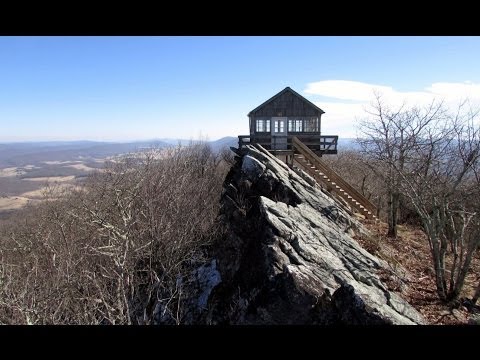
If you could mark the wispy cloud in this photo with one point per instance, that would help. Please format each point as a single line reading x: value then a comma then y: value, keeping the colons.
x: 345, y: 101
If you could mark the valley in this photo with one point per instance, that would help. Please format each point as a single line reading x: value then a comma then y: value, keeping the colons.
x: 28, y: 170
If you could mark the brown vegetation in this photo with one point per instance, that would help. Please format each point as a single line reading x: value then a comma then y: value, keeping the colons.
x: 411, y: 275
x: 117, y: 251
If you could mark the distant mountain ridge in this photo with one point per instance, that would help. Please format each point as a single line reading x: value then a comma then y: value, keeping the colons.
x: 348, y: 144
x: 25, y: 153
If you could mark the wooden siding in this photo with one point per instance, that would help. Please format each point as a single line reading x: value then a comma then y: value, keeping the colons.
x: 286, y: 104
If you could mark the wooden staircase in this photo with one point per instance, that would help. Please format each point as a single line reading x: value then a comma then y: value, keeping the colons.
x: 316, y: 168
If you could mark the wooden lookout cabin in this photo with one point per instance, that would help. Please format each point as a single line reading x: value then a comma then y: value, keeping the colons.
x: 289, y: 126
x: 274, y: 123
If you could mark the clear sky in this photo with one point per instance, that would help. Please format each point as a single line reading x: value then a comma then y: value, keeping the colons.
x: 125, y: 88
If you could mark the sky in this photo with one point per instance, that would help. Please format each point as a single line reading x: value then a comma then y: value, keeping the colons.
x: 135, y: 88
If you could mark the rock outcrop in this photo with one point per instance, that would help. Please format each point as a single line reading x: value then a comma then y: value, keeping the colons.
x: 288, y: 256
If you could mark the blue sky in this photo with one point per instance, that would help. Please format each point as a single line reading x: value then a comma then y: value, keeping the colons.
x: 125, y: 88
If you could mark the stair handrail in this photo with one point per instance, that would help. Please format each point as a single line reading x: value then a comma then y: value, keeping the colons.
x: 332, y: 175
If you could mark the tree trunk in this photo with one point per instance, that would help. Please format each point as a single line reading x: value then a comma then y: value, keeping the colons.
x: 440, y: 281
x: 393, y: 203
x: 438, y: 263
x: 379, y: 206
x: 462, y: 274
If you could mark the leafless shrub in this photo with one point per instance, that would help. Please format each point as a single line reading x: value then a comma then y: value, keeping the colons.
x: 117, y: 250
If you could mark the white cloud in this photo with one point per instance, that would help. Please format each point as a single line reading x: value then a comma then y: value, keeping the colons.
x: 345, y: 90
x: 342, y: 117
x: 455, y: 90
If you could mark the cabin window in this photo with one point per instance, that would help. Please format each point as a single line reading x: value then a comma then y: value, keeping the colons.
x: 262, y: 125
x: 311, y: 124
x: 304, y: 124
x: 295, y: 125
x: 298, y: 125
x: 278, y: 126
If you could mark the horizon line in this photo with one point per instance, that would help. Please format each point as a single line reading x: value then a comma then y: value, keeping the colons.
x: 114, y: 141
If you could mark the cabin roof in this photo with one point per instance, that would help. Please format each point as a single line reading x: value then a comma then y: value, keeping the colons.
x: 287, y: 89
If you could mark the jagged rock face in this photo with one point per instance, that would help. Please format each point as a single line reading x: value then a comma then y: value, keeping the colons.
x: 289, y: 258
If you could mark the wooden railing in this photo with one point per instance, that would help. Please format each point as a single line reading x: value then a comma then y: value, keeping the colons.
x: 332, y: 176
x: 243, y: 140
x: 325, y: 144
x: 328, y: 142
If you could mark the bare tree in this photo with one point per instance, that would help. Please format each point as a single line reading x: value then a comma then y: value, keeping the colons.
x: 386, y: 138
x: 430, y: 156
x: 439, y: 179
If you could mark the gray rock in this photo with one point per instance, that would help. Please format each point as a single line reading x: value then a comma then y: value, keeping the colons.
x: 208, y: 277
x: 474, y: 319
x: 288, y: 256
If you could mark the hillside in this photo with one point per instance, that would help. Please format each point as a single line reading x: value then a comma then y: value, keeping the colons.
x: 411, y: 276
x: 244, y: 240
x: 289, y: 257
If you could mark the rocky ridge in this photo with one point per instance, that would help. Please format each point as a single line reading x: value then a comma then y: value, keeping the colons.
x: 288, y: 256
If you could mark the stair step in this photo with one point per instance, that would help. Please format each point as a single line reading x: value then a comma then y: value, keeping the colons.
x: 313, y: 168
